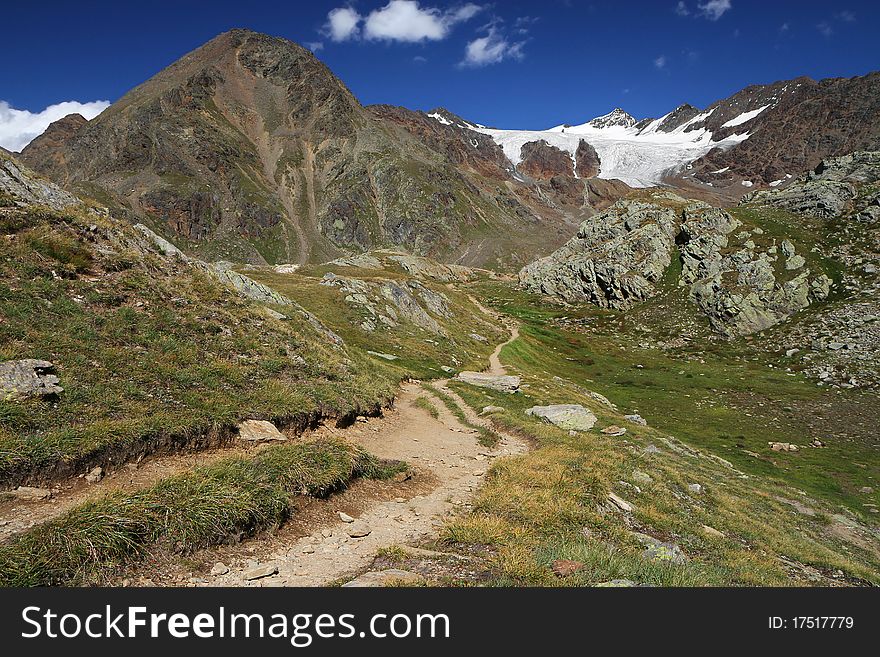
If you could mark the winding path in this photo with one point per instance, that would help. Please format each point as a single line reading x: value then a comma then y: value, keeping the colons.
x: 315, y: 547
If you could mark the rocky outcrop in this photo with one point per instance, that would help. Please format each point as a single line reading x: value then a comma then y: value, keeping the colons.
x: 28, y: 189
x: 542, y: 161
x: 587, y: 163
x: 20, y: 379
x: 614, y: 261
x: 827, y: 191
x: 388, y: 303
x: 427, y: 268
x: 735, y: 282
x: 618, y: 258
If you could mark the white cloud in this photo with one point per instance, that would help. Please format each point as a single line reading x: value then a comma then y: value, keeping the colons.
x: 660, y: 62
x: 825, y: 29
x: 408, y: 21
x: 714, y: 9
x: 19, y: 127
x: 846, y: 16
x: 315, y: 46
x: 491, y: 49
x: 342, y: 24
x: 682, y: 9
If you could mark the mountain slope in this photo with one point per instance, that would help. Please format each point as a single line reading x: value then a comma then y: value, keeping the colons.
x: 250, y: 149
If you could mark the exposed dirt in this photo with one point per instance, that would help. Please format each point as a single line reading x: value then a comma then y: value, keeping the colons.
x: 316, y: 547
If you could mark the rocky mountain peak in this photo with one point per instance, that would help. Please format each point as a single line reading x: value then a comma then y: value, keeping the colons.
x: 614, y: 118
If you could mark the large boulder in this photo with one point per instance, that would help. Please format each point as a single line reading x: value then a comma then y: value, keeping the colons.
x: 570, y: 417
x: 499, y: 382
x: 20, y: 379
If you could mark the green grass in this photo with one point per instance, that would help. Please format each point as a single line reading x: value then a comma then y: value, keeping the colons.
x: 207, y: 506
x: 421, y: 354
x: 150, y: 354
x: 425, y: 404
x: 548, y: 504
x: 713, y: 394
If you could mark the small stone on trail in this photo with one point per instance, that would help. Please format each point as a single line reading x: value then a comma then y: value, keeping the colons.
x: 614, y: 430
x: 359, y: 529
x: 219, y: 568
x: 344, y: 517
x: 260, y: 572
x: 636, y: 419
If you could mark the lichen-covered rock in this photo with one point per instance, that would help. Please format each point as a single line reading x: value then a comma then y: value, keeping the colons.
x: 570, y: 417
x: 660, y: 551
x: 737, y: 287
x: 20, y: 379
x: 614, y: 261
x: 390, y: 302
x: 499, y: 382
x: 618, y: 258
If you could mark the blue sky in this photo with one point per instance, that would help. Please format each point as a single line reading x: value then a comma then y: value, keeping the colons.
x: 506, y: 63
